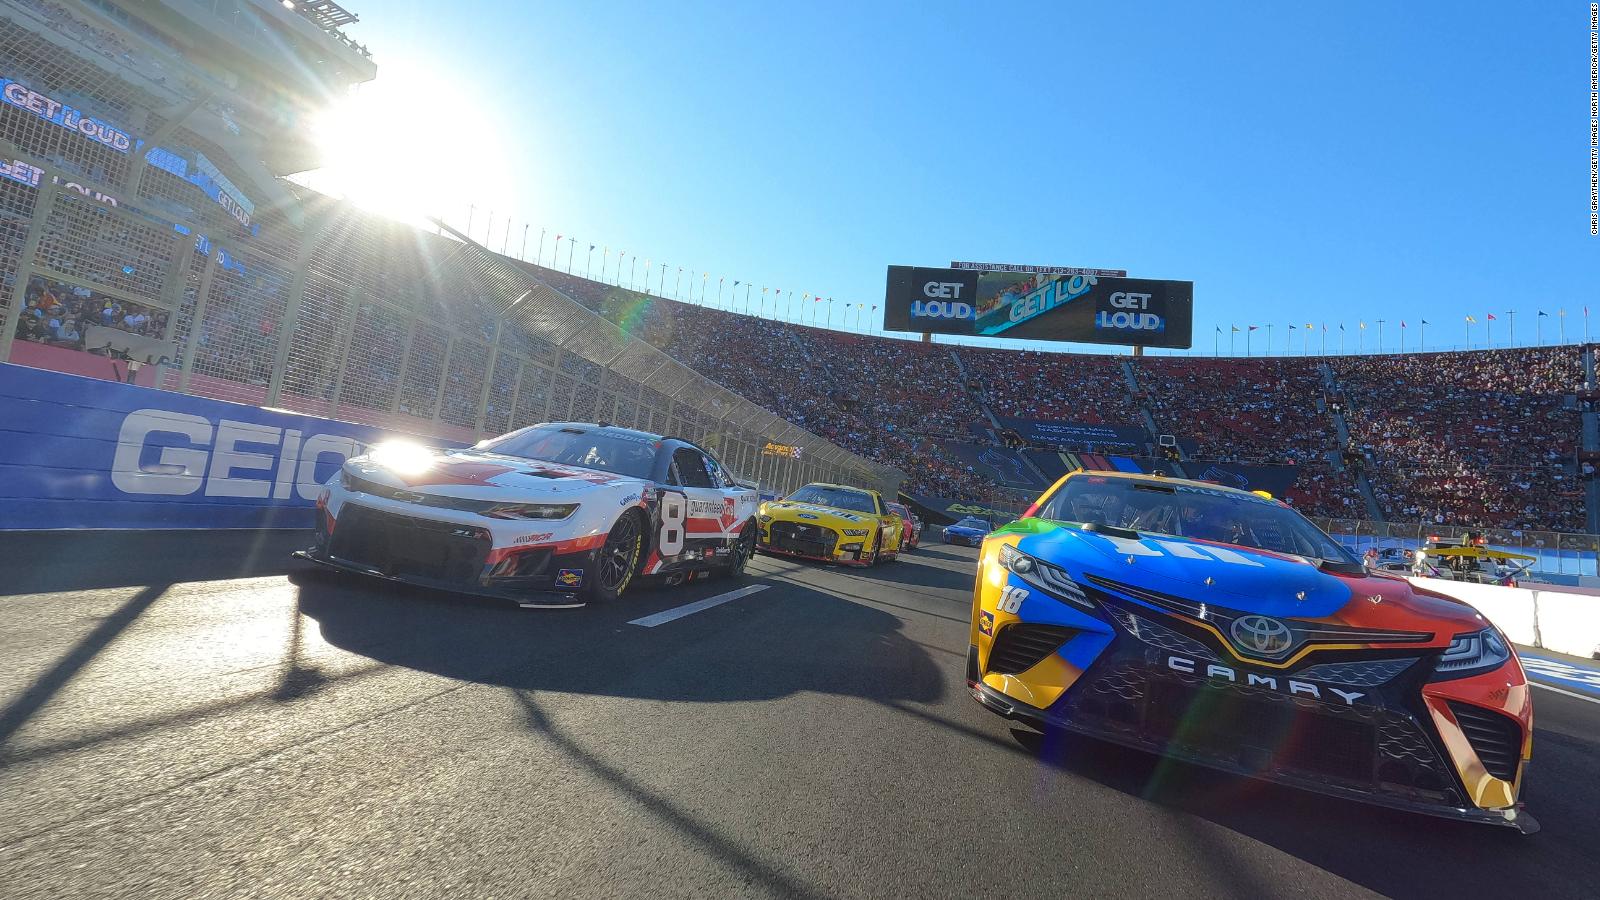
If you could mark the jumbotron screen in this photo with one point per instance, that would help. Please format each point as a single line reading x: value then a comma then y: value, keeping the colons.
x: 1088, y: 309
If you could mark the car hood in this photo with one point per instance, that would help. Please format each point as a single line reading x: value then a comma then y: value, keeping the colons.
x: 1251, y: 581
x: 815, y: 514
x: 474, y: 475
x: 965, y: 529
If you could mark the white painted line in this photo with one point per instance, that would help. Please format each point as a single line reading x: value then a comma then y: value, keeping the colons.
x: 689, y: 609
x: 1557, y: 690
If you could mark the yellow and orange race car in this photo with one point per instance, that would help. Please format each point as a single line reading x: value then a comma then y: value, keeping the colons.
x: 1221, y: 627
x: 831, y: 523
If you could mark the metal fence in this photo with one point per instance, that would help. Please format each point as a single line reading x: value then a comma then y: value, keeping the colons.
x: 1556, y: 552
x: 327, y: 310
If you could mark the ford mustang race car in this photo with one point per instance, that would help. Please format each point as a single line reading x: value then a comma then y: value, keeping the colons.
x: 552, y: 515
x: 969, y: 531
x: 1221, y: 627
x: 831, y: 523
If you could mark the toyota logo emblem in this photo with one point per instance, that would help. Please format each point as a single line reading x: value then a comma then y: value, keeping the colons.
x: 1261, y: 635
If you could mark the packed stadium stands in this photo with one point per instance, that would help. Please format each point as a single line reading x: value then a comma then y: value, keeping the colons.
x: 164, y: 248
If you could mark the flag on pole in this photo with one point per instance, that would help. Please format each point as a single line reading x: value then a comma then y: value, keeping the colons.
x: 1308, y: 327
x: 1543, y: 314
x: 1235, y: 327
x: 1402, y: 323
x: 1491, y: 317
x: 1341, y: 326
x: 1363, y: 326
x: 1254, y: 327
x: 1471, y: 321
x: 1424, y: 321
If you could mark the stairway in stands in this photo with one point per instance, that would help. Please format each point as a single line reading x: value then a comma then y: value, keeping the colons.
x: 1342, y: 428
x: 1131, y: 376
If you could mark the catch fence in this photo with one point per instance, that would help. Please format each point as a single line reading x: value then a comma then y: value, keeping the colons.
x: 321, y: 308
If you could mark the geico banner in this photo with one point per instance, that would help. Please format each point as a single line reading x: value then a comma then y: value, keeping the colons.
x: 1035, y: 306
x: 83, y: 453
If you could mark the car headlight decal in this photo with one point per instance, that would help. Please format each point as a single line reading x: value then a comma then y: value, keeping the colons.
x: 854, y: 532
x: 1049, y: 578
x: 531, y: 510
x: 1472, y: 653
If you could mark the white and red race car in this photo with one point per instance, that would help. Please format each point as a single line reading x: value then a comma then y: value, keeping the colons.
x: 552, y: 515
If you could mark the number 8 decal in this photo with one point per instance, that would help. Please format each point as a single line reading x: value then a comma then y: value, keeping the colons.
x: 673, y: 511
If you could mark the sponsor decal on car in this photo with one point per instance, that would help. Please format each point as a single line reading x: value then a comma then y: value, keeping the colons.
x: 569, y: 577
x: 986, y: 623
x: 631, y: 498
x: 533, y: 538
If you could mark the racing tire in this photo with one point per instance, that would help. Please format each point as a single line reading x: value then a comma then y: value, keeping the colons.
x: 743, y: 549
x: 617, y: 560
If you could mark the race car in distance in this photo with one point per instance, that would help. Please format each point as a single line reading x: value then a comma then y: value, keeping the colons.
x: 552, y: 515
x: 913, y: 528
x: 831, y: 523
x: 1220, y: 627
x: 970, y: 531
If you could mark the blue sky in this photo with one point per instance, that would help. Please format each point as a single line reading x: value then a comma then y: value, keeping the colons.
x: 1298, y: 162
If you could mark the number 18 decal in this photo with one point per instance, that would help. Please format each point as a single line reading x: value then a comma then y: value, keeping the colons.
x: 1011, y: 598
x: 673, y: 512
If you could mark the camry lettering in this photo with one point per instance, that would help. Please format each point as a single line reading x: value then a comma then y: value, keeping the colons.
x: 1293, y: 687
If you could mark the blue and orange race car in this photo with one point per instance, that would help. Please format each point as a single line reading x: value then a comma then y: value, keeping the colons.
x: 1221, y: 627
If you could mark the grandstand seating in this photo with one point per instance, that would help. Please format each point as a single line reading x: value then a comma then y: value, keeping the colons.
x: 1478, y: 438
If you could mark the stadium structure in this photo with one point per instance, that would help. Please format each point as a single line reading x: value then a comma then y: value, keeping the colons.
x: 149, y: 233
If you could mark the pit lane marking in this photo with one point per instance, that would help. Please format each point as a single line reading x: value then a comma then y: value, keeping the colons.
x: 1557, y: 690
x: 689, y: 609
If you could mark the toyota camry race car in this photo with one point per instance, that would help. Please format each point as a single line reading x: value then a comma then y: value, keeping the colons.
x: 831, y: 523
x: 549, y: 516
x: 1221, y: 627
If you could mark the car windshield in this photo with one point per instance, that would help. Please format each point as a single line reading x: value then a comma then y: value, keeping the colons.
x: 899, y: 510
x: 1193, y: 511
x: 607, y: 451
x: 838, y: 498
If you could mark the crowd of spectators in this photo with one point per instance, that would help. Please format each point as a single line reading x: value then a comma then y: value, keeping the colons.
x: 1029, y: 384
x: 1240, y: 410
x: 60, y: 316
x: 1479, y: 438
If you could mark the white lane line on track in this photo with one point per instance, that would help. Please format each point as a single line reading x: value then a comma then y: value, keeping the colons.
x: 1557, y: 690
x: 689, y: 609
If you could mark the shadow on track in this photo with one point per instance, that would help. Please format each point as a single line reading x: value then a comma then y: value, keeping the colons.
x: 107, y: 559
x: 1394, y: 853
x: 787, y: 639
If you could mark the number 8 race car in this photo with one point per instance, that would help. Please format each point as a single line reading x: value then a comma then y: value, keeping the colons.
x: 552, y: 515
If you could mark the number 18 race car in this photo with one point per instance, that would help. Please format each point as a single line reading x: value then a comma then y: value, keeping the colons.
x: 549, y: 516
x: 1220, y: 627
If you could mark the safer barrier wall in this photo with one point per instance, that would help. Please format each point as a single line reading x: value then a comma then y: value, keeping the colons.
x: 1552, y: 619
x: 79, y: 452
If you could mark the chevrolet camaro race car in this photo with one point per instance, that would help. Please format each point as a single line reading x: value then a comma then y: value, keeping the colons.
x: 1222, y: 628
x: 970, y: 531
x: 831, y: 523
x: 552, y: 515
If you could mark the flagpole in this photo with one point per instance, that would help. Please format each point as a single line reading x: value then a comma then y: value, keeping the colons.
x: 1488, y: 339
x: 1216, y: 342
x: 523, y: 253
x: 1538, y: 330
x: 1402, y: 337
x: 1324, y: 350
x: 1511, y: 328
x: 1422, y: 337
x: 1380, y: 335
x: 1469, y: 332
x: 1247, y: 340
x: 538, y: 259
x: 1232, y: 330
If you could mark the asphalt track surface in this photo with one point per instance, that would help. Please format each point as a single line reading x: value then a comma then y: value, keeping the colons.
x: 198, y: 717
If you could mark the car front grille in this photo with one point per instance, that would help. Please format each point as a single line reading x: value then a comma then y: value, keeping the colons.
x: 1497, y: 739
x: 1261, y: 730
x: 407, y: 546
x: 403, y: 495
x: 798, y: 537
x: 1018, y: 648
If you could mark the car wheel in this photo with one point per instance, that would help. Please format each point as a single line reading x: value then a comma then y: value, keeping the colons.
x: 618, y: 559
x: 743, y: 549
